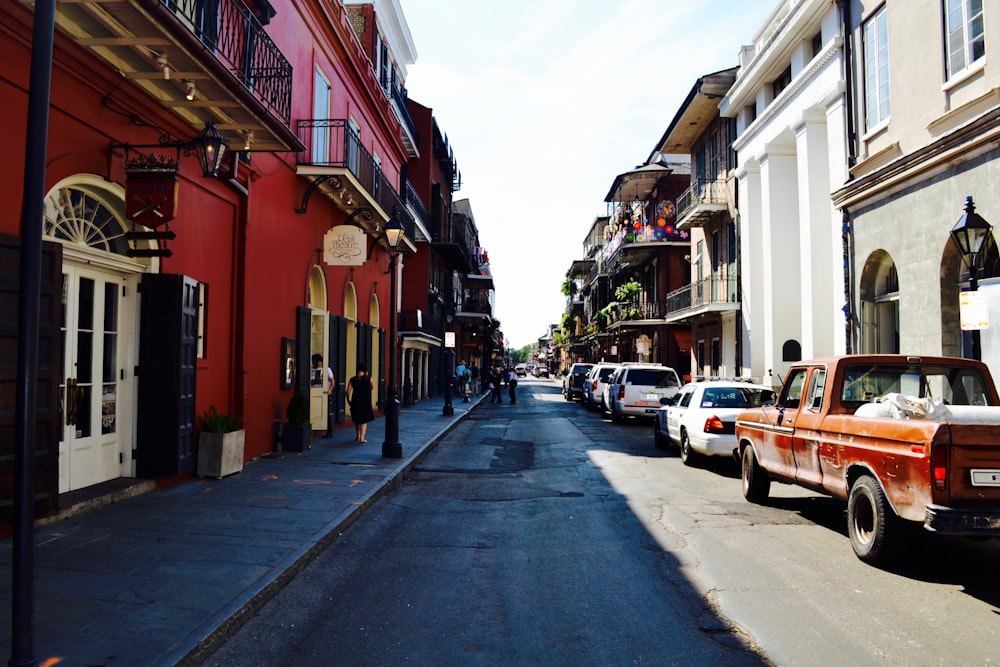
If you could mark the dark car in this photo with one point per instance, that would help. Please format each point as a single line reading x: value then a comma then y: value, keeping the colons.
x: 574, y: 381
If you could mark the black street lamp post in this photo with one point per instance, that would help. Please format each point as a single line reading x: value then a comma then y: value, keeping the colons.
x: 971, y: 235
x: 392, y: 448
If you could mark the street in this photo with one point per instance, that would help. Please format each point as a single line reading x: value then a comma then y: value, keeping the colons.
x: 539, y: 533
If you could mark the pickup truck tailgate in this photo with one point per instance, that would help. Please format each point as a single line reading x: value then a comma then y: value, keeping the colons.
x: 974, y: 463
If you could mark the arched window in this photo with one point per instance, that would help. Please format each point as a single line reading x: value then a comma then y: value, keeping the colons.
x: 880, y: 305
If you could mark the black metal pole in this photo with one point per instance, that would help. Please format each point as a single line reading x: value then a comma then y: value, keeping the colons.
x: 29, y: 306
x: 977, y: 340
x: 392, y: 448
x: 449, y: 409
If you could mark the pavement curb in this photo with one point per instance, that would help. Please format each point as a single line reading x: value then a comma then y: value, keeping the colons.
x: 206, y: 639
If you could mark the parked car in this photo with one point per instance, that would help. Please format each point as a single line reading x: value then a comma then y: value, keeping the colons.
x: 593, y: 389
x: 574, y: 380
x: 521, y: 370
x: 701, y: 418
x: 635, y: 390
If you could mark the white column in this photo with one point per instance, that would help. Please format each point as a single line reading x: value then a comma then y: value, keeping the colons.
x: 819, y: 275
x: 751, y: 259
x: 781, y: 271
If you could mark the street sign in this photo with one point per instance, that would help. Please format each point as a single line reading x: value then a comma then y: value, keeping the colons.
x: 973, y: 311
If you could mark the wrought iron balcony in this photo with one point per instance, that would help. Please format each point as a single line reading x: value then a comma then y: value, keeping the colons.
x: 453, y: 240
x: 417, y: 208
x: 417, y: 322
x: 411, y: 139
x: 702, y: 203
x: 217, y: 52
x: 339, y: 165
x: 702, y: 296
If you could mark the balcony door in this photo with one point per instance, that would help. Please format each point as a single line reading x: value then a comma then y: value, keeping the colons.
x: 321, y: 114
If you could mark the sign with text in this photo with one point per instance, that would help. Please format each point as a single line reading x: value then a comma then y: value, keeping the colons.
x: 973, y: 311
x: 449, y: 339
x: 345, y: 245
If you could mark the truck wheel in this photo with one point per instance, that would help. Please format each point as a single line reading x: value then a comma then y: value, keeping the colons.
x: 756, y: 483
x: 688, y: 455
x: 874, y: 528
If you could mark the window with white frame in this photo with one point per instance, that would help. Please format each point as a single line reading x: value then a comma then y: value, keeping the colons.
x: 964, y: 25
x: 876, y: 45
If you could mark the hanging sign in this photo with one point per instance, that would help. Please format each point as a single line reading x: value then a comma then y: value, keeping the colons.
x: 449, y: 339
x: 151, y: 190
x: 345, y: 245
x: 973, y: 311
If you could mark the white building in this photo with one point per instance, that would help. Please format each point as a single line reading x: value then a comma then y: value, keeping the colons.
x: 789, y: 102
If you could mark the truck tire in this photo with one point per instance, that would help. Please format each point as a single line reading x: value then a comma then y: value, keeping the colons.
x: 756, y: 483
x: 874, y: 529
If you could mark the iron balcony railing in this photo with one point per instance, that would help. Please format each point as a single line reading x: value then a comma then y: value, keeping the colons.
x: 399, y: 96
x: 705, y: 292
x: 417, y: 321
x: 330, y: 142
x: 702, y: 191
x: 235, y: 36
x: 413, y: 201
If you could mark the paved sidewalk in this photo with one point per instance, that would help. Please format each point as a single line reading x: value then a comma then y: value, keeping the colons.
x: 159, y: 578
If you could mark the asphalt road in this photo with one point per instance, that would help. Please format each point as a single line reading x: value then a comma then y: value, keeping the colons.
x: 541, y: 534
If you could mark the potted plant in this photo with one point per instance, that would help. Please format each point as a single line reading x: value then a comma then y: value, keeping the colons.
x: 296, y: 433
x: 220, y: 445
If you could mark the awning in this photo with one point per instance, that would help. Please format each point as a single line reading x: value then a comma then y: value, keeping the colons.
x: 683, y: 338
x: 477, y: 281
x: 636, y: 185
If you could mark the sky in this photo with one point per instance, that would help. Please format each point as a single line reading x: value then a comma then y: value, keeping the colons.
x: 544, y: 103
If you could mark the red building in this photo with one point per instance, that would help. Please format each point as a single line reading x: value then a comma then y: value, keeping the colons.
x: 161, y: 303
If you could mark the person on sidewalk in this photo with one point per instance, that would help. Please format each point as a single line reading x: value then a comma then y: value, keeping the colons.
x: 359, y: 396
x: 496, y: 380
x: 474, y: 382
x: 512, y: 385
x: 463, y: 375
x: 325, y: 380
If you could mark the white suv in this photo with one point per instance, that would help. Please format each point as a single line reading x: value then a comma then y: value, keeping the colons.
x: 636, y: 389
x: 593, y: 391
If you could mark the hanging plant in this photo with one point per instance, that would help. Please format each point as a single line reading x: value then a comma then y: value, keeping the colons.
x: 628, y: 290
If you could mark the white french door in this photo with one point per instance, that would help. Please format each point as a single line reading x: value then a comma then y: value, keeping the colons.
x: 95, y: 390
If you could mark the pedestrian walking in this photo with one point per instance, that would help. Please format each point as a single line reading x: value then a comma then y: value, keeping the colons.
x: 512, y: 386
x: 464, y: 381
x: 474, y: 382
x: 324, y: 380
x: 359, y: 396
x: 495, y: 384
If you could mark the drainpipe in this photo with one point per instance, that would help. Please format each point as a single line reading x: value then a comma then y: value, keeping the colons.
x: 847, y: 227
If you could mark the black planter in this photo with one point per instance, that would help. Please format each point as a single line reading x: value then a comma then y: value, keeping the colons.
x: 296, y: 438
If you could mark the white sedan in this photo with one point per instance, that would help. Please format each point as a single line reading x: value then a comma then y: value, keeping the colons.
x: 701, y: 419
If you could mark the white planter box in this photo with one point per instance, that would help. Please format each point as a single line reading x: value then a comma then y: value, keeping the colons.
x: 220, y: 454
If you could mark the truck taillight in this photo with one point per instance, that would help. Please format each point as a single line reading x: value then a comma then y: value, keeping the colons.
x: 621, y: 392
x: 939, y: 468
x: 713, y: 425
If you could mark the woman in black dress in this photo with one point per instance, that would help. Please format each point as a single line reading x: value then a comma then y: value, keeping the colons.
x: 359, y: 395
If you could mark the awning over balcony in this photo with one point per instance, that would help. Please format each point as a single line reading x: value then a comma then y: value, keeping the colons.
x: 580, y: 268
x: 477, y: 281
x: 225, y: 62
x: 636, y: 185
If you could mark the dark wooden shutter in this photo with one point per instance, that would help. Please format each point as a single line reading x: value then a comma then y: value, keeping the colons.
x: 303, y: 345
x: 168, y: 337
x: 338, y: 364
x: 382, y: 366
x: 50, y: 348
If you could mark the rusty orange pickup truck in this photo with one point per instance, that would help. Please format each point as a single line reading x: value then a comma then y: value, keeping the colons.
x: 900, y: 438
